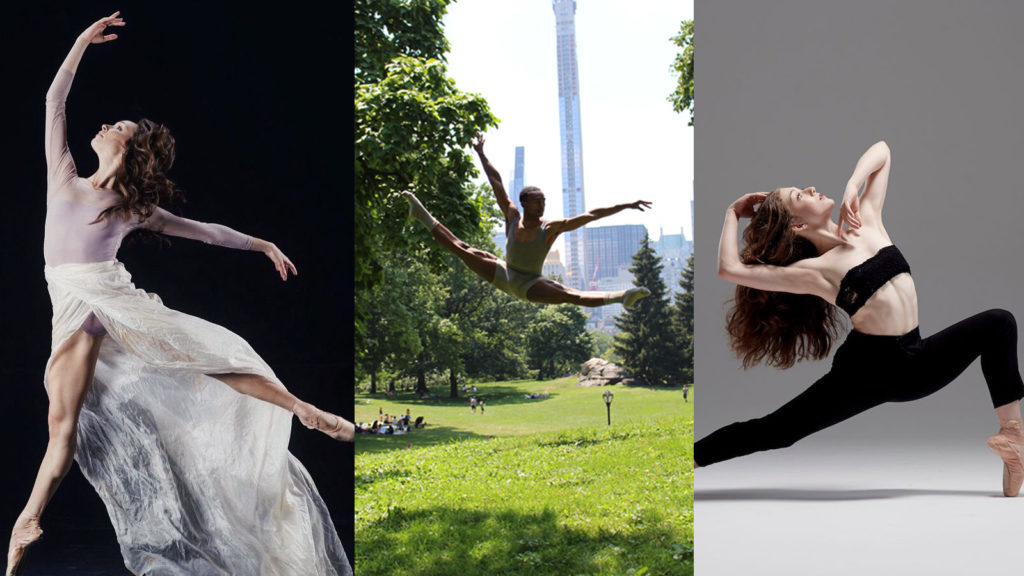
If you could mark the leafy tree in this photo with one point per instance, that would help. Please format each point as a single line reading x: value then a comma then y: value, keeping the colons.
x: 682, y: 96
x: 683, y: 321
x: 387, y: 29
x: 557, y: 340
x: 603, y: 341
x: 392, y: 336
x: 411, y: 129
x: 646, y: 341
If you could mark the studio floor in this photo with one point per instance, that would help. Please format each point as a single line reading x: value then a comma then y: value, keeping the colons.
x: 855, y: 511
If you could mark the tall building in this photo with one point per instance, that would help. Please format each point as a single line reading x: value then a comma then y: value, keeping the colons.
x: 518, y: 177
x: 692, y: 234
x: 572, y: 141
x: 553, y: 267
x: 673, y: 249
x: 608, y: 249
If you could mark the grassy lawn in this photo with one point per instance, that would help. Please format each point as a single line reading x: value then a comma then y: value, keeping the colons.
x: 538, y: 487
x: 508, y: 413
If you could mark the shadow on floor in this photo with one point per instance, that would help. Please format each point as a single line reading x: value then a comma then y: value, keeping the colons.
x: 826, y: 494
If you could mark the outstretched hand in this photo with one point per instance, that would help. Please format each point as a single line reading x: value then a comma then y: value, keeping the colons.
x: 281, y: 262
x: 640, y: 205
x: 478, y: 142
x: 744, y: 205
x: 95, y: 32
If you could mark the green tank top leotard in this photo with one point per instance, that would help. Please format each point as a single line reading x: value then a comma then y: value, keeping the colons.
x: 523, y: 264
x: 526, y: 257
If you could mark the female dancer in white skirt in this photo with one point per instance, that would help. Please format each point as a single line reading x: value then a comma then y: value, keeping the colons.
x: 176, y: 422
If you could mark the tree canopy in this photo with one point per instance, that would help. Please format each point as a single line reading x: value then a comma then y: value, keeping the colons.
x: 682, y: 96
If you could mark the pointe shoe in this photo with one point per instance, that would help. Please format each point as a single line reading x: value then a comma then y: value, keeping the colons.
x: 316, y: 419
x: 1008, y: 444
x: 26, y: 532
x: 634, y: 294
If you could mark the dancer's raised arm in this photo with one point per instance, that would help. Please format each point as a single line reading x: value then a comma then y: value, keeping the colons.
x: 164, y: 222
x: 797, y: 278
x: 568, y: 224
x: 871, y: 173
x: 60, y: 167
x: 507, y: 207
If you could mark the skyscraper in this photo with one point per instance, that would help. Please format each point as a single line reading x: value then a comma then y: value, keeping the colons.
x: 572, y: 142
x: 609, y: 249
x: 518, y: 176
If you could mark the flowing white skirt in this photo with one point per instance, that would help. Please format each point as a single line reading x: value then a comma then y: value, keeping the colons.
x: 196, y: 477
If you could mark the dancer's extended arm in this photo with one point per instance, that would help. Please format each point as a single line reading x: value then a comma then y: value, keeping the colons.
x: 568, y: 224
x: 60, y: 167
x: 797, y: 278
x: 871, y: 173
x: 164, y: 222
x: 507, y: 207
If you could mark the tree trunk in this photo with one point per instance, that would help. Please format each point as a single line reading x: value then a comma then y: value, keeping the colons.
x: 373, y: 382
x: 454, y: 383
x: 421, y: 383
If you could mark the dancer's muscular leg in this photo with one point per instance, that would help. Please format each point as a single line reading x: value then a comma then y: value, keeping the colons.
x: 481, y: 262
x: 549, y: 292
x: 70, y: 377
x: 484, y: 264
x: 269, y: 391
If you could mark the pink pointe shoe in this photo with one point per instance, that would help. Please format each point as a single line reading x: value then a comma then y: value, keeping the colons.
x: 26, y: 532
x: 1008, y: 444
x: 316, y: 419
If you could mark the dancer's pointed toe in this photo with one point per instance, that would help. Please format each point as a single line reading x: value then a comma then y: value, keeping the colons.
x: 634, y: 294
x: 1008, y: 444
x: 331, y: 424
x: 26, y: 532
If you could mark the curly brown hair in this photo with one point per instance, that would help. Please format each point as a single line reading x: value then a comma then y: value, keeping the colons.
x: 778, y: 328
x: 142, y: 180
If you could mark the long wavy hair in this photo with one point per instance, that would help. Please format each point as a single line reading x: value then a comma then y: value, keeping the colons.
x: 778, y: 328
x: 142, y: 179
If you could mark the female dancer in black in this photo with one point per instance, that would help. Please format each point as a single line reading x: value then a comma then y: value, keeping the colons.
x: 796, y: 264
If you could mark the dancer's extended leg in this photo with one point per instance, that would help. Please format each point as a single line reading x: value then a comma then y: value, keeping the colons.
x: 549, y: 292
x: 269, y: 391
x: 481, y: 262
x: 71, y: 374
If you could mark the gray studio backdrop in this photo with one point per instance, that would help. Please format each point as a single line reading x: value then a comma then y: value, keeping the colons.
x: 790, y: 94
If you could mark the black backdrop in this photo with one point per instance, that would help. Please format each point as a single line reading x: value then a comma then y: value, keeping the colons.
x: 255, y: 98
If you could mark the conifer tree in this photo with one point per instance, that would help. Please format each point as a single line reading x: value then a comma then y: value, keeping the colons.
x: 646, y: 341
x: 682, y: 318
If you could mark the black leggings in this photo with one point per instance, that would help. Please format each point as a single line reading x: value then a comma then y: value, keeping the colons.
x: 870, y: 370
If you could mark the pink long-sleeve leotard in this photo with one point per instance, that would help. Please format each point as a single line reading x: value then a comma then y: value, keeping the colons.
x: 72, y: 205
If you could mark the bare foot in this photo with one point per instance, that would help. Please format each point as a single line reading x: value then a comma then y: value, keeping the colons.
x: 25, y: 533
x: 316, y: 419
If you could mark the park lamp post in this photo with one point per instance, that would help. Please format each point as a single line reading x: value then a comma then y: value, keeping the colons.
x: 608, y: 404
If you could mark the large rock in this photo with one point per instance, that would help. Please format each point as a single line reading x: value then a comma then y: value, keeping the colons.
x: 600, y: 372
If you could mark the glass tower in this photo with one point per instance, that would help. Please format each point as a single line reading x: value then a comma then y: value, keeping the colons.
x: 518, y: 177
x: 572, y: 142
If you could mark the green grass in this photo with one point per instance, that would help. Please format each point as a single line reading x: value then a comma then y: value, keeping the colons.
x: 509, y: 414
x: 540, y: 487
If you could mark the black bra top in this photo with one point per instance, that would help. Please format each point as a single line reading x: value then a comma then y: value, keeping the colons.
x: 864, y: 279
